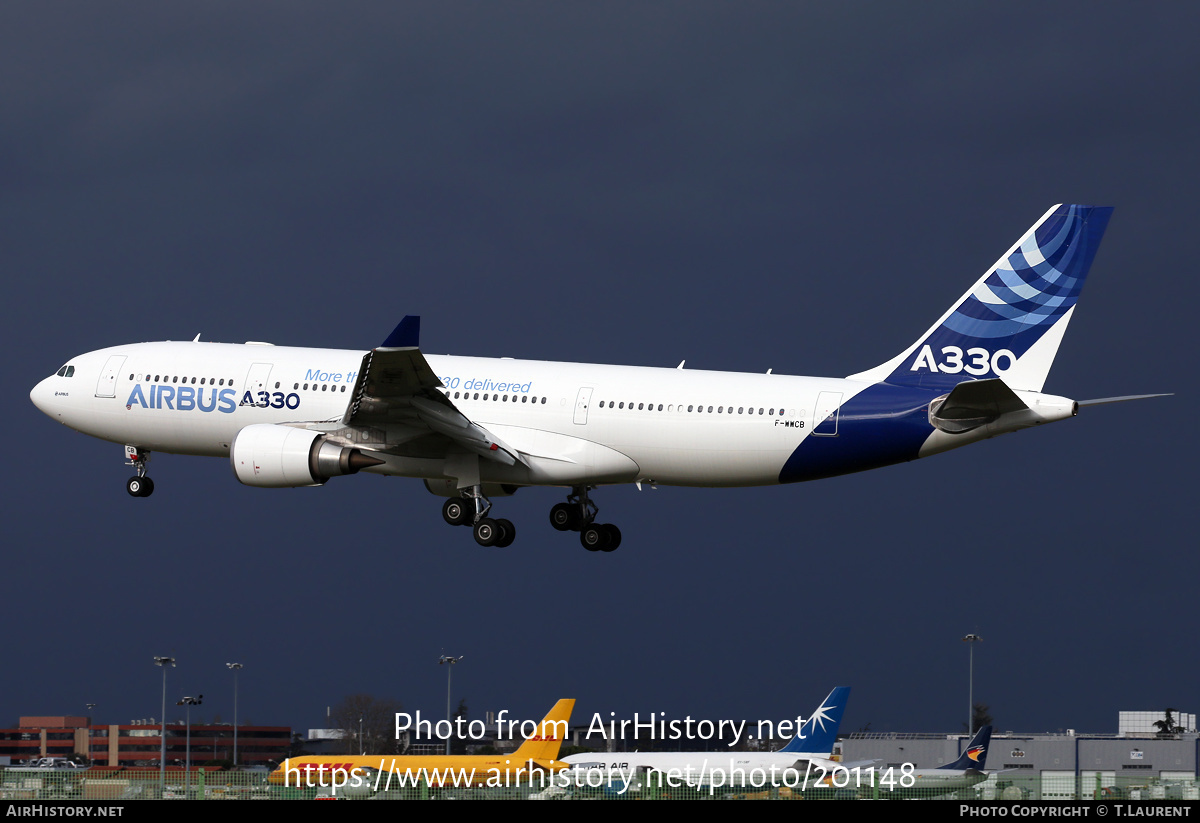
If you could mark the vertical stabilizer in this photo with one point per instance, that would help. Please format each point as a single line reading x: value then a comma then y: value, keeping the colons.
x: 976, y: 754
x: 1010, y: 323
x: 819, y: 732
x: 547, y: 739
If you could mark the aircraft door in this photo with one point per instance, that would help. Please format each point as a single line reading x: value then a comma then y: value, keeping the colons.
x: 582, y: 401
x: 106, y: 385
x: 256, y: 380
x: 825, y: 415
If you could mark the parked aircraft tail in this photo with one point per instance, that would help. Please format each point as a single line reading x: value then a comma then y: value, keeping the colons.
x: 819, y: 732
x: 543, y: 745
x: 1010, y: 323
x: 976, y: 754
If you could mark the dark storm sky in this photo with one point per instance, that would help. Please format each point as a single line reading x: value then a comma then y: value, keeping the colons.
x: 796, y: 186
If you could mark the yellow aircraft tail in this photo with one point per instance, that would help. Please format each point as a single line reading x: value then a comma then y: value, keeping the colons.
x: 543, y: 745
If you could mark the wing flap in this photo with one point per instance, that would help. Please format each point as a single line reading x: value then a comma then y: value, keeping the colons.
x: 396, y: 387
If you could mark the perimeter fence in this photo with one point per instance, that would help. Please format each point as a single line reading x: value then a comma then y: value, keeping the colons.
x: 201, y: 784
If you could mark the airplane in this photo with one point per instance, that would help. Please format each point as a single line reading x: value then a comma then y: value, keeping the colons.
x: 475, y: 428
x: 619, y: 772
x: 963, y: 773
x: 359, y: 775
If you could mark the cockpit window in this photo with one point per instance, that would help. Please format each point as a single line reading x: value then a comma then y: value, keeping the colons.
x: 66, y: 371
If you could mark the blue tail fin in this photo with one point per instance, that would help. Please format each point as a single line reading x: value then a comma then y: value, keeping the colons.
x: 976, y: 754
x: 1010, y: 323
x: 819, y: 732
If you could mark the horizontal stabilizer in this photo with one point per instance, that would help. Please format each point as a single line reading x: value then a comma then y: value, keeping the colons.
x: 973, y: 404
x: 1101, y: 401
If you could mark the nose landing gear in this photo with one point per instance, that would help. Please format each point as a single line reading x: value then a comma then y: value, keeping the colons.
x: 141, y: 485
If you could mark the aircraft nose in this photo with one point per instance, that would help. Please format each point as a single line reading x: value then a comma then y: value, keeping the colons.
x: 43, y: 397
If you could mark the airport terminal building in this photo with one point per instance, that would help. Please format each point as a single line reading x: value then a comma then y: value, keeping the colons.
x: 139, y: 743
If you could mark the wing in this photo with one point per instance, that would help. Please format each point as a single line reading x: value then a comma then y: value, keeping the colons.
x: 397, y: 389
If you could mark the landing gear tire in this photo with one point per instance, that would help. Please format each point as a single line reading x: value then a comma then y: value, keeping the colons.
x: 139, y: 486
x: 456, y: 512
x: 488, y: 532
x: 565, y: 517
x: 594, y: 537
x: 509, y: 533
x: 614, y: 537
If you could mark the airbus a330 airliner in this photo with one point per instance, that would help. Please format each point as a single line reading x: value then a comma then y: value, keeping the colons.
x: 475, y: 428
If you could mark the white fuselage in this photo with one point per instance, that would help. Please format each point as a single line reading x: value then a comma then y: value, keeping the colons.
x: 577, y: 422
x: 626, y: 771
x: 573, y: 424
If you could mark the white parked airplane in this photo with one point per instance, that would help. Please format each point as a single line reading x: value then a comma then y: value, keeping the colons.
x: 963, y: 773
x: 623, y: 772
x: 475, y: 428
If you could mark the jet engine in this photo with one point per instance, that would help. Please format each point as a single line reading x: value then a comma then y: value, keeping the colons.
x: 277, y: 457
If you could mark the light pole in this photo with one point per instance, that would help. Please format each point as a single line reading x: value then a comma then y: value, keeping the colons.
x: 448, y: 661
x: 971, y: 640
x: 235, y: 667
x: 162, y: 663
x: 90, y: 706
x: 187, y: 774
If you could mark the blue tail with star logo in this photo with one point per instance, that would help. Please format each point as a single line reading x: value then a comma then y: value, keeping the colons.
x: 819, y: 732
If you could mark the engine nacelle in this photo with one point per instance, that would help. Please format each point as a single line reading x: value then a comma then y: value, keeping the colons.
x: 278, y: 457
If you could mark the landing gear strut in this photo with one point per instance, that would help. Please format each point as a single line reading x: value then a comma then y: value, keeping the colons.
x: 141, y: 485
x: 471, y: 509
x: 579, y: 514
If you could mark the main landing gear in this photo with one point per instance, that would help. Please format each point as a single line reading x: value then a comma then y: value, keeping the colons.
x: 471, y: 509
x: 141, y: 485
x: 578, y: 514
